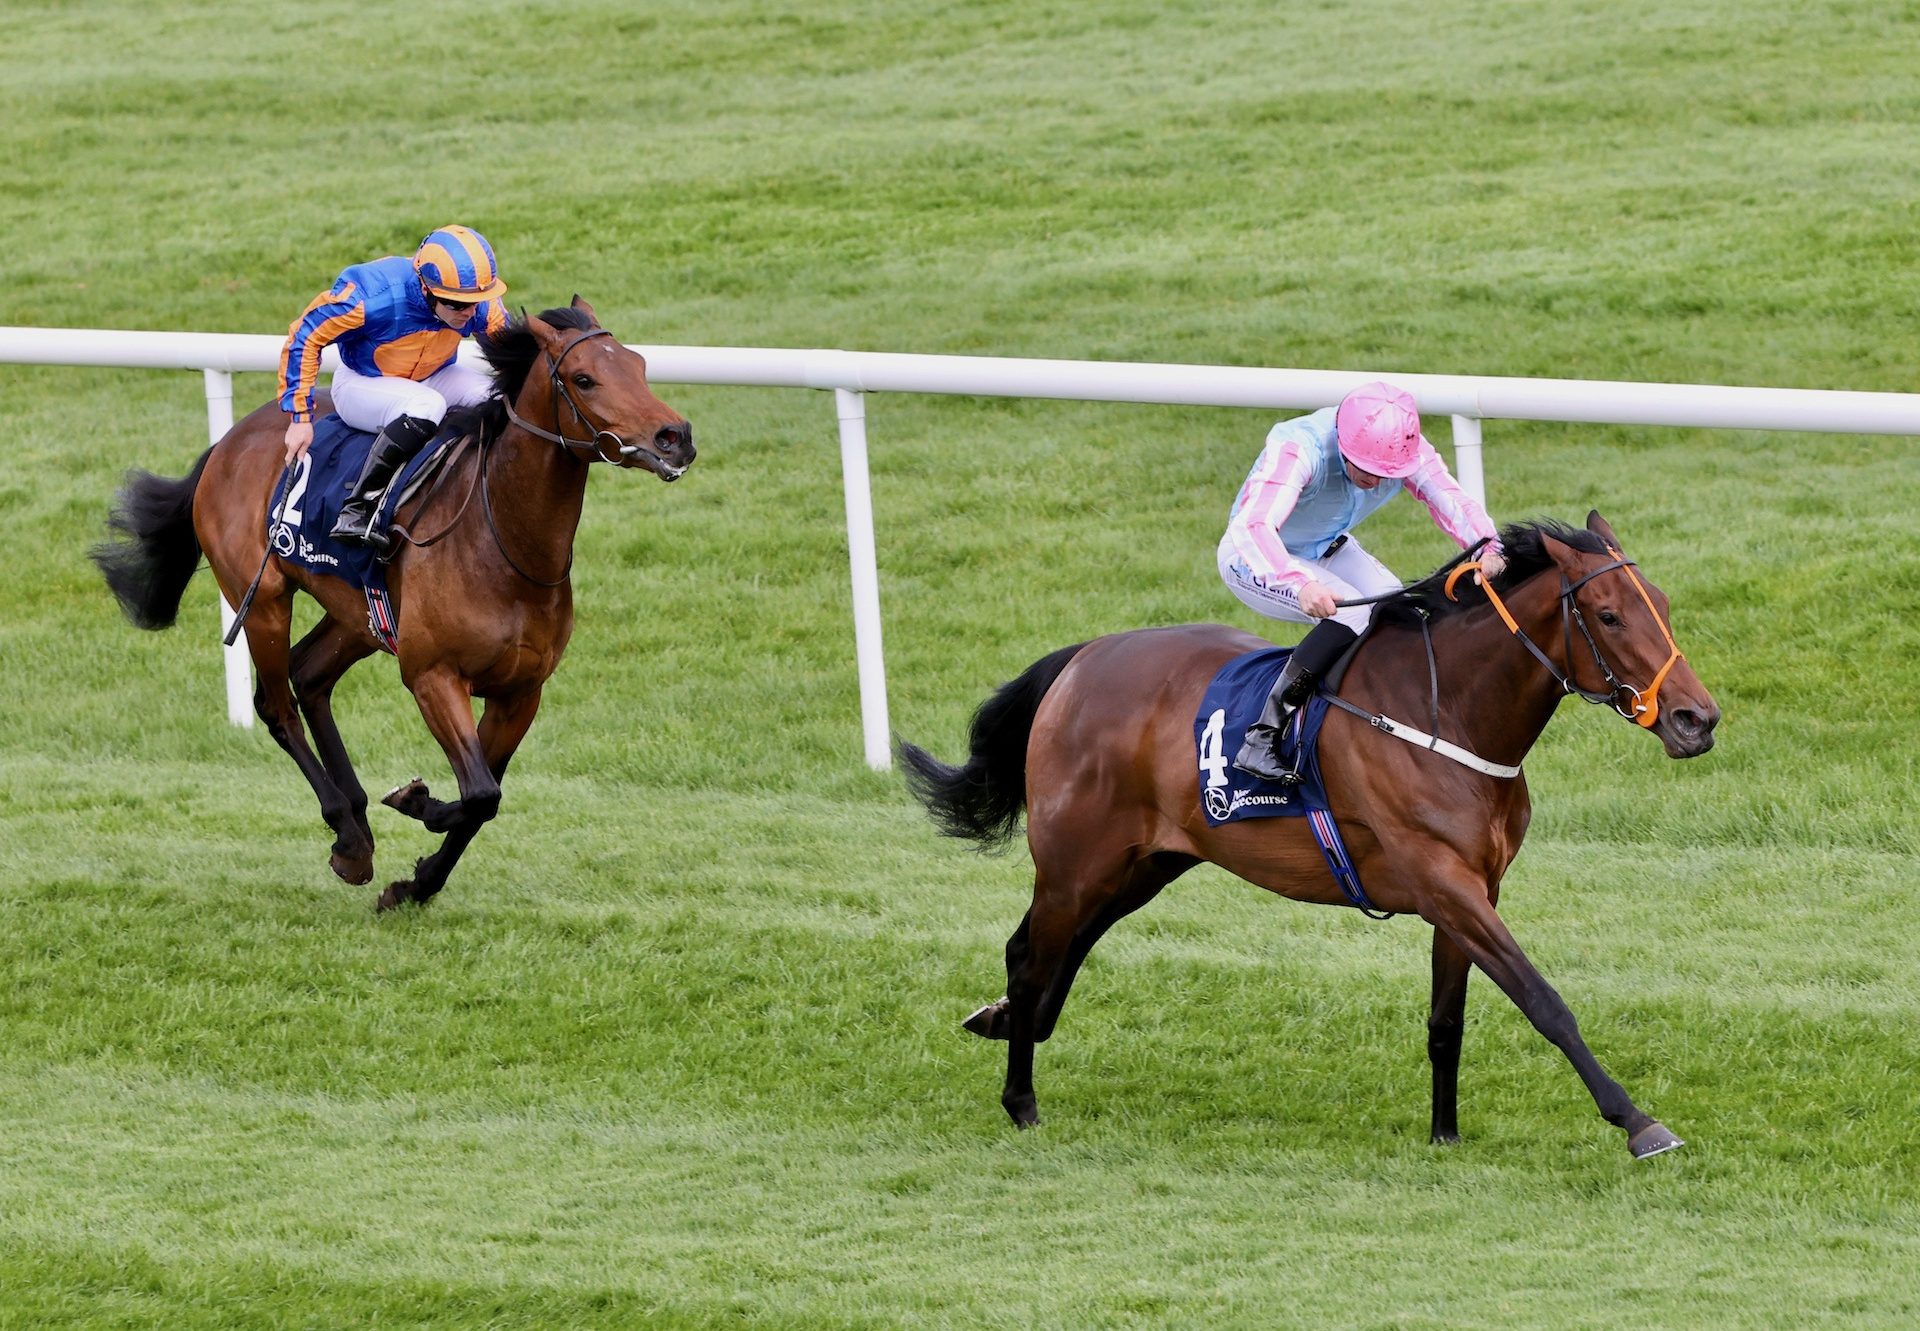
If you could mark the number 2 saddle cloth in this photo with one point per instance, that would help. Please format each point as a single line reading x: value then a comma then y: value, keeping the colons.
x: 312, y: 497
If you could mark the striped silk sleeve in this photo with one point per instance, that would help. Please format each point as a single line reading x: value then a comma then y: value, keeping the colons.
x: 1455, y: 512
x: 331, y: 313
x: 495, y: 319
x: 1266, y: 499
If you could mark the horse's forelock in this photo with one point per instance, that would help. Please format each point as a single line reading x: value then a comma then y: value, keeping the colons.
x: 513, y: 350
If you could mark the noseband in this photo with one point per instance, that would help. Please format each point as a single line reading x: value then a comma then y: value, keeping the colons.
x: 1640, y: 707
x: 594, y: 449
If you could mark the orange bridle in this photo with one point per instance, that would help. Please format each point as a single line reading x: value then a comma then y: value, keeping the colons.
x: 1640, y: 707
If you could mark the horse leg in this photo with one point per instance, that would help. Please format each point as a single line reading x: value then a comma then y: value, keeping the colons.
x: 1034, y: 953
x: 1142, y: 885
x: 1070, y: 900
x: 1152, y: 874
x: 1463, y: 910
x: 269, y: 628
x: 492, y: 744
x: 1446, y: 1024
x: 321, y: 658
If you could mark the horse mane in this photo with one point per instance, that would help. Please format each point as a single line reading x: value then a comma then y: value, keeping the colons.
x: 1523, y: 544
x: 511, y: 352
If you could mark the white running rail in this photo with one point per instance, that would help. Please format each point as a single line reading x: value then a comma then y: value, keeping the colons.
x: 1468, y: 399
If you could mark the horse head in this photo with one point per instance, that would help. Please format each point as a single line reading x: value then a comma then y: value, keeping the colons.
x: 1618, y: 637
x: 596, y: 395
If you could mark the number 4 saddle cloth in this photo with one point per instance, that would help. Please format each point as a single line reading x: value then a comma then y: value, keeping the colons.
x: 307, y: 502
x: 1232, y: 702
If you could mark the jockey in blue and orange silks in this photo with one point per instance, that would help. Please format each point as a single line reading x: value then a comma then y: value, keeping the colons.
x: 1289, y: 550
x: 397, y: 323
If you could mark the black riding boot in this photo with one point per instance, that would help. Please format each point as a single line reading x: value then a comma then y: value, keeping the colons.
x: 392, y: 449
x: 1259, y: 753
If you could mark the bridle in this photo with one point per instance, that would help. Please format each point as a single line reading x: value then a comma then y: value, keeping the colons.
x: 591, y: 450
x: 1638, y: 706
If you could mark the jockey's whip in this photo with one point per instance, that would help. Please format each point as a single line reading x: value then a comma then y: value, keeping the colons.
x: 274, y: 514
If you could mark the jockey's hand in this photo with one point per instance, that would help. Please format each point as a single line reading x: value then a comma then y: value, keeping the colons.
x: 299, y: 439
x: 1317, y: 601
x: 1492, y: 564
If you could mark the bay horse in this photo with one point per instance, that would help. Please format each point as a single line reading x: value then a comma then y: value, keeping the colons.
x: 1096, y: 742
x: 483, y: 604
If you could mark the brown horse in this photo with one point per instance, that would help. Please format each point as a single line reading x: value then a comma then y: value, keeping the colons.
x: 482, y: 600
x: 1096, y: 742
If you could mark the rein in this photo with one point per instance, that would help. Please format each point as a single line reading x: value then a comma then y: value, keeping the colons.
x: 1400, y: 730
x: 1420, y: 739
x: 486, y: 507
x: 446, y: 471
x: 1628, y: 701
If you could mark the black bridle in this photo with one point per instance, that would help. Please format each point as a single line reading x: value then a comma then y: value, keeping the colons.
x: 590, y: 450
x: 593, y: 449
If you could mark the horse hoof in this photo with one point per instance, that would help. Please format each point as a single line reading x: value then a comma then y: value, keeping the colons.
x: 397, y: 894
x: 1652, y: 1140
x: 351, y: 870
x: 989, y: 1022
x: 1024, y: 1111
x: 409, y: 797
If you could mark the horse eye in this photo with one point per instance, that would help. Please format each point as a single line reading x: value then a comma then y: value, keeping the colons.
x: 1609, y: 618
x: 582, y: 381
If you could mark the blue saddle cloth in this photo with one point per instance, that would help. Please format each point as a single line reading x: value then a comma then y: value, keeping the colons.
x: 1232, y: 702
x: 319, y: 487
x: 308, y: 501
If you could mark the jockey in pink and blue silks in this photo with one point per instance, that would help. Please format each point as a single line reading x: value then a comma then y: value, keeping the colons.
x: 397, y: 323
x: 1289, y: 551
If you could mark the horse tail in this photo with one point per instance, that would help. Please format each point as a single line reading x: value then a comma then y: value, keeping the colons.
x: 981, y: 801
x: 148, y: 564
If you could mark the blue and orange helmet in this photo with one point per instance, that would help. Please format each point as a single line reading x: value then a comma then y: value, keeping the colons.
x: 456, y: 263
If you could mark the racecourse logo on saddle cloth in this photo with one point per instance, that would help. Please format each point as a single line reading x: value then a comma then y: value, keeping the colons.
x: 306, y: 504
x: 1231, y: 703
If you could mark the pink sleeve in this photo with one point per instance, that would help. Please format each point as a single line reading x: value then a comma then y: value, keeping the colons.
x: 1267, y: 498
x: 1455, y: 512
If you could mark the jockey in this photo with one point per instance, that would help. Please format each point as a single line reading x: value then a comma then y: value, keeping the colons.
x: 398, y: 324
x: 1289, y: 551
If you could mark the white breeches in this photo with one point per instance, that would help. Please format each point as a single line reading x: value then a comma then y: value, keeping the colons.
x: 1348, y: 572
x: 368, y: 402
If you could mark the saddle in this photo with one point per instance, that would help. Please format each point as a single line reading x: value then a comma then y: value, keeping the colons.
x: 1232, y: 702
x: 301, y: 515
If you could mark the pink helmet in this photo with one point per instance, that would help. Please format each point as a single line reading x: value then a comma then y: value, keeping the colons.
x: 1379, y: 429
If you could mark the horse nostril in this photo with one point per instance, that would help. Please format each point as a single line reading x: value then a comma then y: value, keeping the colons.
x: 1692, y: 724
x: 678, y: 435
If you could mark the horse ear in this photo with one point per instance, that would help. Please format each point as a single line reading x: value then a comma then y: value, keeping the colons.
x: 1598, y: 526
x: 545, y: 334
x: 585, y: 309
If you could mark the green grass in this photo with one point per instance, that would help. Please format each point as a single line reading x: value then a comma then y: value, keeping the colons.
x: 678, y: 1046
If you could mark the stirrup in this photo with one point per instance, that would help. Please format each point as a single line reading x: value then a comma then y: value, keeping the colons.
x: 1279, y: 774
x: 369, y: 535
